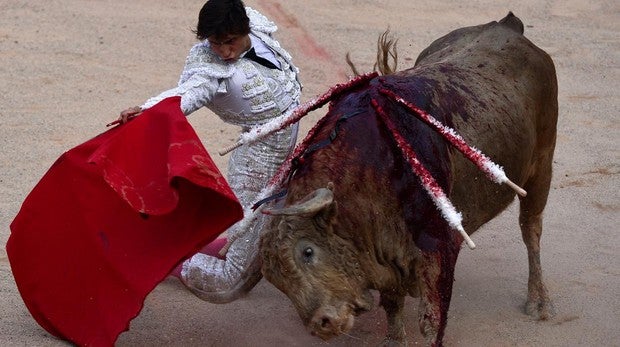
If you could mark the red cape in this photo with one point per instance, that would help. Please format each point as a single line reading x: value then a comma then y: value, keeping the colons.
x: 109, y: 221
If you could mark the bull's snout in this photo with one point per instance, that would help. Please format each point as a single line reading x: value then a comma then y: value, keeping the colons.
x: 327, y: 322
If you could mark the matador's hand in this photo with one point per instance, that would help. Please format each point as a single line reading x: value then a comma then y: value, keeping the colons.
x: 129, y: 113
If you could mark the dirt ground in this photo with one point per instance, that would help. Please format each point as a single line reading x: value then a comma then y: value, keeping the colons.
x: 67, y: 67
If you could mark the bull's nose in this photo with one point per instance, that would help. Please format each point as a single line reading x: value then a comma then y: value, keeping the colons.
x: 326, y: 324
x: 324, y: 327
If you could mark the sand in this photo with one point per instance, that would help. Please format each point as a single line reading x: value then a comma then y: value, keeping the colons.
x: 70, y: 66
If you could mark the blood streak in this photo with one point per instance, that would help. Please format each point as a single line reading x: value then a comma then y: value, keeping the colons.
x: 306, y: 43
x: 429, y: 183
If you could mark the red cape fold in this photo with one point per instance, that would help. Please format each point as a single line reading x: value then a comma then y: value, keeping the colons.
x: 109, y: 221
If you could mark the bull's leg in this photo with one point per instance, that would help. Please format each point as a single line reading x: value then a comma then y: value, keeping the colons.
x: 538, y: 303
x: 435, y: 272
x: 393, y: 304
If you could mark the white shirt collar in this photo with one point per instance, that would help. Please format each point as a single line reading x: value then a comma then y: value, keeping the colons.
x: 263, y: 51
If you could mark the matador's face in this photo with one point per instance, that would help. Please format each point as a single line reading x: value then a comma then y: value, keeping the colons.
x: 230, y: 47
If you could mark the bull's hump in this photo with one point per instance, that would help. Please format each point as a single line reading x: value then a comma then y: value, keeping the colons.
x: 471, y: 41
x: 512, y: 22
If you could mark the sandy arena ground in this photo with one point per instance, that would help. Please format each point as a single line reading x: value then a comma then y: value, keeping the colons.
x: 67, y: 67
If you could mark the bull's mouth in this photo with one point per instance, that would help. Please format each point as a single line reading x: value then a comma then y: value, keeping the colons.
x: 363, y: 304
x: 359, y: 309
x: 330, y: 321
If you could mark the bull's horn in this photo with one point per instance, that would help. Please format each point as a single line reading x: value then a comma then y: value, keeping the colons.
x: 309, y: 206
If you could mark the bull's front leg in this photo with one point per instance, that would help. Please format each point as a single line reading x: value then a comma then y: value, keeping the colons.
x: 435, y: 272
x: 393, y: 304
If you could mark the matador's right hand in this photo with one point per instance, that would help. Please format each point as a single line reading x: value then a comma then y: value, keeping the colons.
x: 129, y: 113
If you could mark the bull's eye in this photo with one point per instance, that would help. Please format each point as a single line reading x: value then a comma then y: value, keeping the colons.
x: 307, y: 254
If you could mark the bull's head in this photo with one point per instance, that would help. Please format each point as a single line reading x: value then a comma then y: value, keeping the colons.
x: 317, y: 269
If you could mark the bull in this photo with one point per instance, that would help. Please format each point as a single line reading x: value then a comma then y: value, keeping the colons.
x: 356, y: 218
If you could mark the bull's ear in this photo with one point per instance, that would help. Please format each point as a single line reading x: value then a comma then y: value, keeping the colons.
x: 327, y: 216
x: 283, y: 228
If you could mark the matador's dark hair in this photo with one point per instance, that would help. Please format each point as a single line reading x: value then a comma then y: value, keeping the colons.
x: 219, y: 18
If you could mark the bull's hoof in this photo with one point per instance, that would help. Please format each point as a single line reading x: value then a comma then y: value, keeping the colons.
x: 541, y: 309
x: 387, y: 342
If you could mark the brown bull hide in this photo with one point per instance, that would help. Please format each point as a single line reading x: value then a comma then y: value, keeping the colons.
x: 381, y: 231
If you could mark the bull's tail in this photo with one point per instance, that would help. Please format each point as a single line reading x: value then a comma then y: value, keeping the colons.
x: 513, y: 22
x: 387, y: 55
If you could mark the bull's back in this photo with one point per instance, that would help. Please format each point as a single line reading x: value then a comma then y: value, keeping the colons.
x: 493, y: 86
x: 500, y: 93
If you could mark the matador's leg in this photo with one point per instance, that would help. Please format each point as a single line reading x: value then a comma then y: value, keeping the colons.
x: 250, y: 169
